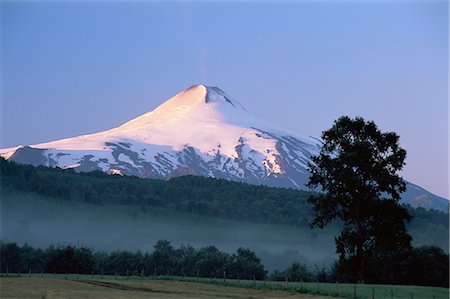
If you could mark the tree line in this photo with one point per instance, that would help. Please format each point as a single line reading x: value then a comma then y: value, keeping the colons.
x: 426, y: 265
x: 163, y: 260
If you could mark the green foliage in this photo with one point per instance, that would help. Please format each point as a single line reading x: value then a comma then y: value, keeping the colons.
x: 211, y: 262
x: 246, y: 264
x: 357, y: 171
x: 429, y: 227
x: 187, y: 260
x: 205, y: 196
x: 298, y: 272
x: 163, y: 257
x: 69, y: 259
x: 122, y: 262
x: 425, y: 265
x: 10, y: 258
x: 164, y: 260
x: 428, y: 265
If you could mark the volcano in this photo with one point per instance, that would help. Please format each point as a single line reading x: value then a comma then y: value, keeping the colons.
x: 200, y: 131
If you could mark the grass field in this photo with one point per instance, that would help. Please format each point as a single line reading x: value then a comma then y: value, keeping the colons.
x: 96, y: 286
x: 49, y: 288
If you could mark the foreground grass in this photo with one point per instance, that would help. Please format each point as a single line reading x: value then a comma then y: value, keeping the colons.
x: 132, y: 288
x: 351, y: 291
x: 95, y: 286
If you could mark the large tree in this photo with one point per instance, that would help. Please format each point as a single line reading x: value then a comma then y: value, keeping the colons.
x: 356, y: 174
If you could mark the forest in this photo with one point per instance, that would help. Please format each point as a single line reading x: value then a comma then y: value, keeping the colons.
x: 193, y: 194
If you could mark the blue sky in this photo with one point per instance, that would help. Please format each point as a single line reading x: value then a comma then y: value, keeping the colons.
x: 81, y: 67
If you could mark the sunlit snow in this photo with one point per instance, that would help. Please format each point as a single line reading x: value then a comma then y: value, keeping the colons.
x: 200, y: 123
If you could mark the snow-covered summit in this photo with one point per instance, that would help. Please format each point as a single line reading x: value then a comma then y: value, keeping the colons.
x: 200, y: 131
x: 199, y: 103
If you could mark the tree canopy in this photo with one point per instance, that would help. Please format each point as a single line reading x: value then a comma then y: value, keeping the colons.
x: 357, y: 172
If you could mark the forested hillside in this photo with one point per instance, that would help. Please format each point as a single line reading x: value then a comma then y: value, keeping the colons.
x: 206, y: 196
x: 193, y: 194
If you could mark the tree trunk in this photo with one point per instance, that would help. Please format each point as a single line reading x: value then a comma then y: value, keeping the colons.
x: 360, y: 258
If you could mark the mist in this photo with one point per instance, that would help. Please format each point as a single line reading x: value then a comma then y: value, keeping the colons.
x: 42, y: 221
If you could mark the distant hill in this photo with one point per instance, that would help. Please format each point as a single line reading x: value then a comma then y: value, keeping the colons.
x: 418, y: 197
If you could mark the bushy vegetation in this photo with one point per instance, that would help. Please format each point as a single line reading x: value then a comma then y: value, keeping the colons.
x: 296, y: 272
x: 425, y: 265
x: 164, y: 260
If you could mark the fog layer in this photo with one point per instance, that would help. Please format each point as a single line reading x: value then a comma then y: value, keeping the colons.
x: 43, y: 221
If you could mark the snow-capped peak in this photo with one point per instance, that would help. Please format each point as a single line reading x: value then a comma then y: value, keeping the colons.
x: 201, y: 130
x: 198, y: 102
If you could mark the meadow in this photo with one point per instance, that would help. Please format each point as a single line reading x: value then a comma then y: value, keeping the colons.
x: 94, y: 286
